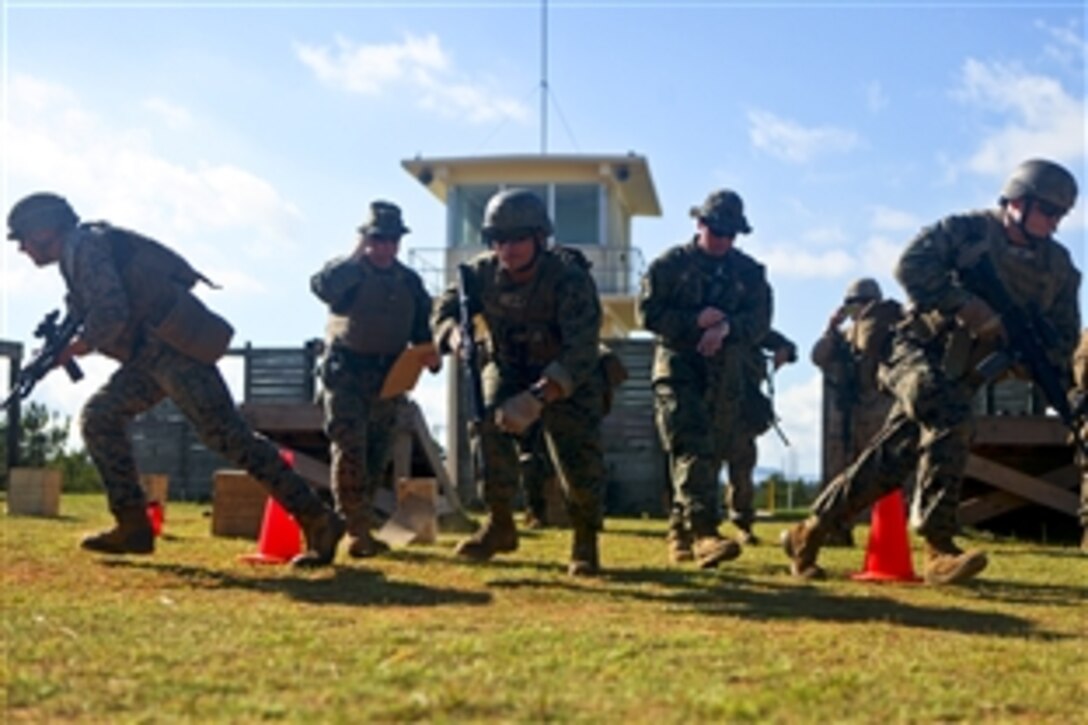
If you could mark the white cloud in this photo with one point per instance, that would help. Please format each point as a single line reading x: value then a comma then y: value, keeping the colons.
x: 1068, y: 45
x: 886, y: 219
x: 416, y: 67
x: 174, y: 116
x: 876, y: 99
x: 799, y: 408
x: 112, y: 171
x: 801, y: 263
x: 1040, y: 117
x: 879, y: 257
x: 790, y: 141
x: 824, y: 236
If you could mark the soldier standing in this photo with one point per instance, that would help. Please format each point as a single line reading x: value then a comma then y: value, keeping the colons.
x: 933, y: 371
x: 377, y: 308
x: 134, y: 297
x: 543, y: 316
x: 849, y: 360
x: 709, y: 306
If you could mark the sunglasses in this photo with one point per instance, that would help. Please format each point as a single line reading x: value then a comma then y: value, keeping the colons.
x: 382, y: 239
x: 1049, y: 209
x: 510, y: 237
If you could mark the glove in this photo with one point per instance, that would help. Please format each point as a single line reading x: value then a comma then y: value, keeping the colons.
x: 712, y: 339
x: 519, y: 412
x: 980, y: 319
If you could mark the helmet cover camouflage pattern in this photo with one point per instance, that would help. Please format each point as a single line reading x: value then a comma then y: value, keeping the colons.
x: 723, y: 213
x: 43, y: 210
x: 863, y: 290
x: 515, y: 213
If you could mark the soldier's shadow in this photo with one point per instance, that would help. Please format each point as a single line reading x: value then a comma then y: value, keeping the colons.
x: 722, y: 594
x: 335, y: 585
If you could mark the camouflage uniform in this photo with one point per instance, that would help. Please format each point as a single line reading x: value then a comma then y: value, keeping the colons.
x: 758, y: 417
x: 850, y: 361
x: 374, y: 314
x: 547, y: 327
x: 853, y: 359
x: 1080, y: 381
x: 134, y: 298
x: 932, y: 369
x: 704, y: 406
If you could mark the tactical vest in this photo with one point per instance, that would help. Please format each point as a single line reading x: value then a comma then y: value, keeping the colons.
x: 721, y: 282
x: 521, y: 318
x: 376, y: 319
x: 158, y: 283
x: 1032, y: 275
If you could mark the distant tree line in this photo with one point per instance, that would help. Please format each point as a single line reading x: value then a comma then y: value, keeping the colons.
x: 42, y: 444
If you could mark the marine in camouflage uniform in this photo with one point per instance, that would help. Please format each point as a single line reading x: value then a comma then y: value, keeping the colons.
x: 933, y: 366
x: 377, y: 308
x: 849, y: 360
x: 759, y: 416
x: 1080, y: 381
x: 543, y: 317
x: 709, y: 306
x: 536, y: 466
x: 134, y: 297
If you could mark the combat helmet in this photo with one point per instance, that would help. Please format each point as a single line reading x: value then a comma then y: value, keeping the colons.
x: 515, y: 214
x: 1041, y: 179
x: 723, y: 213
x: 42, y: 210
x: 865, y: 289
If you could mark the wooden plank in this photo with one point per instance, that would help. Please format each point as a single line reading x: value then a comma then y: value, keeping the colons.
x: 284, y: 416
x: 1021, y: 484
x: 997, y: 430
x: 996, y: 503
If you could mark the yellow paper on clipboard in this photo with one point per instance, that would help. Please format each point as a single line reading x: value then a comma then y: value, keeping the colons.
x: 404, y: 374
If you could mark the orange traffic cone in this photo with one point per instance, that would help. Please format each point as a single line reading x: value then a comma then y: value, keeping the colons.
x: 155, y: 516
x: 281, y: 537
x: 888, y: 556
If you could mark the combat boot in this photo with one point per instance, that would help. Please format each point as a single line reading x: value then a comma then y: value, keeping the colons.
x: 802, y: 545
x: 533, y: 521
x: 711, y: 549
x: 947, y: 563
x: 679, y: 540
x: 132, y: 534
x: 361, y: 543
x: 322, y: 532
x: 747, y: 537
x: 584, y: 558
x: 365, y: 546
x: 498, y: 535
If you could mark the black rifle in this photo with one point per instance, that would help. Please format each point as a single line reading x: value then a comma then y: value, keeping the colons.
x: 55, y: 340
x: 1028, y: 337
x: 769, y: 370
x: 470, y: 362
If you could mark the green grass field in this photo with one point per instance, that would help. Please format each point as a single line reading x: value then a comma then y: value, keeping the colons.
x: 192, y: 634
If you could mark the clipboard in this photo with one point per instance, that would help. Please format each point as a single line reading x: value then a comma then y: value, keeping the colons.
x: 405, y: 372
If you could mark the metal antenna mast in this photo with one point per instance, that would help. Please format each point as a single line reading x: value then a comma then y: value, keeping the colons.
x: 544, y: 77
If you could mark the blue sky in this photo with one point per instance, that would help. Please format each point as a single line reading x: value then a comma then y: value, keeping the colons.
x: 250, y: 136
